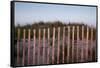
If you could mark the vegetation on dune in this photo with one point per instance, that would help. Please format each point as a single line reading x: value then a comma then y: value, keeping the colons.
x: 41, y: 25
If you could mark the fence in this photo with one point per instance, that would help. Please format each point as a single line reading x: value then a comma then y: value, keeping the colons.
x: 68, y: 44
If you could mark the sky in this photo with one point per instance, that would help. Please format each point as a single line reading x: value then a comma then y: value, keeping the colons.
x: 28, y: 13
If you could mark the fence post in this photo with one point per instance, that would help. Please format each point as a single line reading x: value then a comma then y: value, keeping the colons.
x: 58, y: 51
x: 29, y: 46
x: 23, y: 56
x: 39, y: 46
x: 91, y: 43
x: 39, y: 37
x: 63, y: 49
x: 34, y: 44
x: 18, y: 40
x: 43, y: 46
x: 87, y: 44
x: 77, y: 42
x: 48, y: 45
x: 53, y: 45
x: 82, y: 51
x: 73, y: 44
x: 68, y: 46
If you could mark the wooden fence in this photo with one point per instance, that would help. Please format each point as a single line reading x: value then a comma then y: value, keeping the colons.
x: 60, y: 47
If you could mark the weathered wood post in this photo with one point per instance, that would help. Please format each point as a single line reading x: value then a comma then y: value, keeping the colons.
x: 58, y: 50
x: 29, y: 46
x: 43, y: 46
x: 77, y: 44
x: 87, y: 43
x: 68, y: 46
x: 63, y: 43
x: 48, y: 46
x: 91, y: 44
x: 82, y: 51
x: 23, y: 56
x: 53, y: 45
x: 34, y: 46
x: 73, y: 44
x: 39, y: 37
x: 18, y: 40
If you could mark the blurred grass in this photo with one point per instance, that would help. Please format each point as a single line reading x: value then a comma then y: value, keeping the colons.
x: 41, y: 25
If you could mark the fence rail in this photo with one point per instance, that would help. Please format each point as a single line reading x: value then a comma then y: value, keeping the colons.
x: 54, y: 46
